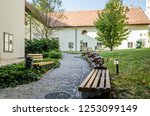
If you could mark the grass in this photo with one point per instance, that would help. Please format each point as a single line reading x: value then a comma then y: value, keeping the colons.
x: 133, y: 80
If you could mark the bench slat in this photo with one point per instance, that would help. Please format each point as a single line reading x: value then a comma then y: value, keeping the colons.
x: 101, y: 86
x: 42, y: 63
x: 97, y: 79
x: 36, y: 56
x: 91, y: 81
x: 107, y: 80
x: 83, y: 84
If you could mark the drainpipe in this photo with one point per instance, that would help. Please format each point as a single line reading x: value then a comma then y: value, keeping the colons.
x: 30, y: 28
x: 75, y: 38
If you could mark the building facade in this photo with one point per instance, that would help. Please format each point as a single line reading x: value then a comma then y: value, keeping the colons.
x: 78, y: 30
x: 12, y: 29
x: 147, y: 11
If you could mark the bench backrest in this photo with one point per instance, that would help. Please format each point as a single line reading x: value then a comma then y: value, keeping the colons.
x: 36, y: 56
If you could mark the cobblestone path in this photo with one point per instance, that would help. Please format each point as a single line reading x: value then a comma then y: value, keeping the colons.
x: 65, y: 79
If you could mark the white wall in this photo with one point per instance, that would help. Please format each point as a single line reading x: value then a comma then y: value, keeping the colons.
x: 138, y: 32
x: 12, y: 21
x: 147, y: 11
x: 66, y: 35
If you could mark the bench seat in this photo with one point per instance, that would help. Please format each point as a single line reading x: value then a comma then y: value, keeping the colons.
x: 97, y: 82
x: 42, y: 63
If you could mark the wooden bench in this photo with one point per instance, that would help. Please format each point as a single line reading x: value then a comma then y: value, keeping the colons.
x: 96, y: 83
x: 42, y: 64
x: 36, y: 56
x: 39, y: 57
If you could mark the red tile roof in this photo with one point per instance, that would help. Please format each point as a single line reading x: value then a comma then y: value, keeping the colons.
x: 87, y: 18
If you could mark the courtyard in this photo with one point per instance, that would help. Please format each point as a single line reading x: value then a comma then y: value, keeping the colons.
x: 64, y: 79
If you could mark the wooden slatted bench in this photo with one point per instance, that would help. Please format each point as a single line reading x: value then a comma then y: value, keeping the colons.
x: 36, y: 56
x: 96, y: 83
x: 39, y: 57
x: 40, y: 64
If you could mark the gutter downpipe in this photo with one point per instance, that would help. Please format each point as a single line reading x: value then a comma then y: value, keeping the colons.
x: 75, y: 38
x: 30, y: 28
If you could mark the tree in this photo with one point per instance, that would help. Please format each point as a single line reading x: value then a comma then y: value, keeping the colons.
x: 49, y: 9
x: 112, y: 24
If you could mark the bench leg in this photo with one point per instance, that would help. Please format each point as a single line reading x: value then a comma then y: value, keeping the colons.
x: 86, y: 95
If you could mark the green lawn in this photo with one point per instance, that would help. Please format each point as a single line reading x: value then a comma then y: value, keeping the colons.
x: 133, y: 80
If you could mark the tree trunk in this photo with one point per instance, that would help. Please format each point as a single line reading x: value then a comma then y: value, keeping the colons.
x: 46, y: 34
x: 111, y: 48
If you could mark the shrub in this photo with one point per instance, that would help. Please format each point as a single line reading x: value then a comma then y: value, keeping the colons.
x: 16, y: 74
x: 52, y: 54
x: 45, y: 54
x: 55, y: 55
x: 41, y: 45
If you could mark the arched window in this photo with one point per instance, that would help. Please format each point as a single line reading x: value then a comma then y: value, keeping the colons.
x: 84, y: 32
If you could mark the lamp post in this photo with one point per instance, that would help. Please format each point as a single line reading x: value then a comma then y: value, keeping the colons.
x: 116, y: 62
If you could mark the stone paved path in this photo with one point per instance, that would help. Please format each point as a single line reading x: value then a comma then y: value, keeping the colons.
x: 66, y: 79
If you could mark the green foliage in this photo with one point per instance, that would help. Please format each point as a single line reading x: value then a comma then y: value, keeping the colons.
x: 133, y: 80
x: 41, y: 45
x: 55, y: 55
x: 49, y: 7
x: 52, y: 54
x: 111, y: 24
x: 16, y: 74
x: 45, y: 54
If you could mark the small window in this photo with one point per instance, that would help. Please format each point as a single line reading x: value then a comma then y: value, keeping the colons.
x: 99, y: 44
x: 84, y: 32
x: 130, y: 44
x: 70, y: 45
x: 140, y: 34
x: 85, y: 44
x: 8, y: 42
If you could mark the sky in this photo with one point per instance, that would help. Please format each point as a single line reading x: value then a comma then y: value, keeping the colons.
x: 78, y: 5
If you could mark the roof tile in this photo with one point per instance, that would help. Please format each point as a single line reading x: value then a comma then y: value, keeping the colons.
x: 87, y: 18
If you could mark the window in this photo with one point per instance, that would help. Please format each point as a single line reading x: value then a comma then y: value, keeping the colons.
x: 140, y: 34
x: 85, y: 44
x: 70, y: 45
x: 8, y: 42
x: 99, y: 44
x: 84, y: 32
x: 130, y: 44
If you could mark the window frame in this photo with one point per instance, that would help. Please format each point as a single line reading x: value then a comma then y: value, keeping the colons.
x: 84, y: 32
x: 130, y: 44
x: 85, y: 44
x: 10, y: 42
x: 70, y: 44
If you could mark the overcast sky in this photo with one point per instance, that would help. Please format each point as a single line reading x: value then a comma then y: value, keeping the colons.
x: 76, y: 5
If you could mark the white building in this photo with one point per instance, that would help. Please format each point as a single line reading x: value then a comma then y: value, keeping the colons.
x: 147, y: 11
x: 79, y: 28
x: 12, y: 29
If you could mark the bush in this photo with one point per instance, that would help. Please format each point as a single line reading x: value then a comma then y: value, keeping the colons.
x: 41, y: 45
x: 52, y: 54
x: 16, y: 74
x: 45, y: 54
x: 55, y: 55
